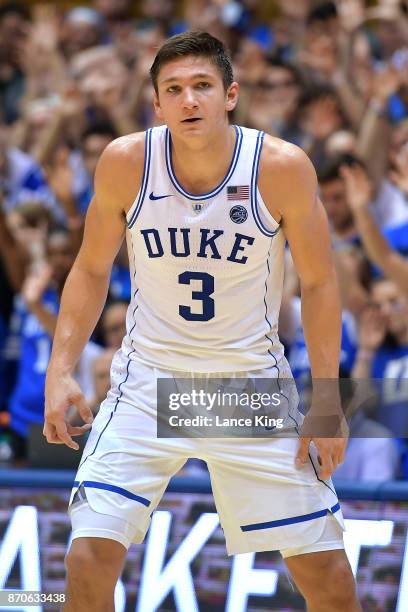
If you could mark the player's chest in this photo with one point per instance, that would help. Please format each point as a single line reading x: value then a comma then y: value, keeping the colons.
x: 213, y: 231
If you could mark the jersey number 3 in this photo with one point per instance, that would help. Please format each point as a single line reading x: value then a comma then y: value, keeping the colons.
x: 207, y: 289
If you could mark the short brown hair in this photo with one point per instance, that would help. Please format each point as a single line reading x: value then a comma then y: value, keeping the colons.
x: 197, y: 44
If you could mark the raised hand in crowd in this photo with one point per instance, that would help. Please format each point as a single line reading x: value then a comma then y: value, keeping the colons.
x: 40, y: 58
x: 13, y: 258
x: 385, y: 82
x: 358, y: 186
x: 351, y: 14
x: 374, y: 128
x: 66, y: 124
x: 372, y: 327
x: 60, y: 177
x: 399, y: 171
x: 23, y: 233
x: 102, y: 80
x: 35, y: 241
x: 320, y: 54
x: 376, y: 246
x: 206, y: 15
x: 108, y: 97
x: 35, y: 284
x: 349, y: 264
x: 136, y: 47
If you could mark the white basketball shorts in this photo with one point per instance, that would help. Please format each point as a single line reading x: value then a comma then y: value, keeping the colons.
x: 263, y: 500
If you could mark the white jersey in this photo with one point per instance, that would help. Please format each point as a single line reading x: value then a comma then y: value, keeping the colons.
x: 207, y: 270
x: 207, y: 276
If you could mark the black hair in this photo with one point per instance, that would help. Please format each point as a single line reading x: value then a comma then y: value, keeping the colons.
x: 322, y: 12
x: 100, y: 128
x: 274, y: 61
x: 314, y: 91
x: 14, y: 8
x: 330, y: 168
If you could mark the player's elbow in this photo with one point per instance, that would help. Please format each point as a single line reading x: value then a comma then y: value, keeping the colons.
x: 326, y: 280
x: 89, y: 274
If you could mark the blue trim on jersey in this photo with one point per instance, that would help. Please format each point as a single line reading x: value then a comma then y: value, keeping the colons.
x: 119, y: 386
x: 271, y: 341
x: 214, y: 192
x: 319, y: 479
x: 310, y: 456
x: 113, y: 411
x: 280, y: 390
x: 266, y: 317
x: 254, y: 184
x: 108, y: 487
x: 311, y: 460
x: 292, y: 520
x: 145, y: 178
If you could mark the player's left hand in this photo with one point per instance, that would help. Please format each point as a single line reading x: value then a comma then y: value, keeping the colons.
x: 331, y: 453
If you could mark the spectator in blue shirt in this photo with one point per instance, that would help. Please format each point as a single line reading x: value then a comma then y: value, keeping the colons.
x: 383, y: 353
x: 21, y: 178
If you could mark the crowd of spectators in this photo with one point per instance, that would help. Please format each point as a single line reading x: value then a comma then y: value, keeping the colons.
x: 329, y: 76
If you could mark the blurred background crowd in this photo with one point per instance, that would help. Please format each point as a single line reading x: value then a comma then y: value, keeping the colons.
x: 329, y: 76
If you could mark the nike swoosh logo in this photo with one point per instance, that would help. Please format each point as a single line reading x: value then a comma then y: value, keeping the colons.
x: 153, y: 197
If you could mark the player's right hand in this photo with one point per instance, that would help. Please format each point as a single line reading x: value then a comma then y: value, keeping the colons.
x: 61, y: 392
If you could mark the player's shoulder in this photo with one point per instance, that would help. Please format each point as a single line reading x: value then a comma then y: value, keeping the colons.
x: 127, y: 149
x: 284, y: 158
x: 286, y: 177
x: 285, y: 172
x: 119, y: 171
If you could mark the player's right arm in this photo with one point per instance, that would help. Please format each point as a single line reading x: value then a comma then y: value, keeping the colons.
x: 117, y: 181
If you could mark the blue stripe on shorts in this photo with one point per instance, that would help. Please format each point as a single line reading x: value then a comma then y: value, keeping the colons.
x: 293, y: 519
x: 114, y: 489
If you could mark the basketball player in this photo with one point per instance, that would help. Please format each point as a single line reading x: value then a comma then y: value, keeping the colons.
x: 206, y: 208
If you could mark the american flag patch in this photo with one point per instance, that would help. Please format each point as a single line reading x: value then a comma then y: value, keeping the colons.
x: 238, y: 192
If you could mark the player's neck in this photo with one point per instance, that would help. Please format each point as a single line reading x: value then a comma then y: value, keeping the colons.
x: 201, y: 170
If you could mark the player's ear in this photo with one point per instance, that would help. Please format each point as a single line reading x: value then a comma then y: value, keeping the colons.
x: 156, y: 105
x: 232, y: 96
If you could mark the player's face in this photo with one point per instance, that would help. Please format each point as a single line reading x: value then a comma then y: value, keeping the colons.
x: 191, y: 97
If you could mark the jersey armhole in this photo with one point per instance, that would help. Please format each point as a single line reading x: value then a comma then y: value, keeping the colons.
x: 268, y: 221
x: 263, y: 218
x: 135, y: 209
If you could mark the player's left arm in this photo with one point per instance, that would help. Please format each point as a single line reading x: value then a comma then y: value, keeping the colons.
x: 288, y: 185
